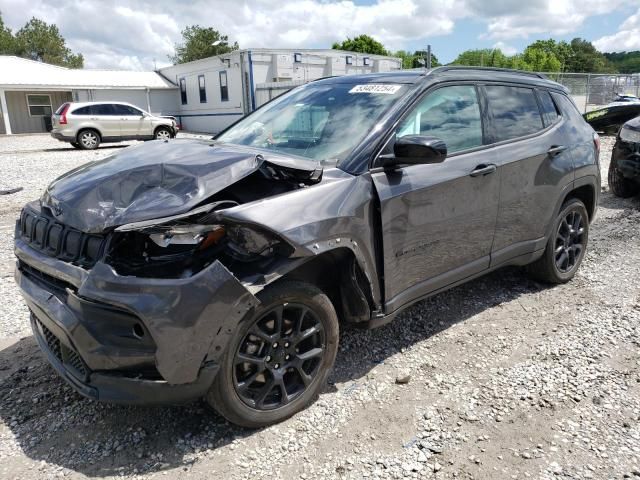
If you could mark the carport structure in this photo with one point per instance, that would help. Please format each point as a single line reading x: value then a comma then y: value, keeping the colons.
x: 31, y: 91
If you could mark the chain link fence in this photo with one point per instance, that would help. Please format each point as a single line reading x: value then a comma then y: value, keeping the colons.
x: 593, y: 90
x: 589, y: 90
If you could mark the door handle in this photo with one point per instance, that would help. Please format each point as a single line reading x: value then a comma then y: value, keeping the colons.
x: 483, y: 169
x: 556, y: 149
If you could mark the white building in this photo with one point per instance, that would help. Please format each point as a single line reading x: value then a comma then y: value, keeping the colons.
x: 205, y: 95
x: 216, y: 91
x: 30, y: 91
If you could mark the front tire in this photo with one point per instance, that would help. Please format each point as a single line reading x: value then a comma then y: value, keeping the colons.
x: 620, y: 186
x: 279, y: 358
x: 162, y: 133
x: 88, y: 139
x: 566, y: 246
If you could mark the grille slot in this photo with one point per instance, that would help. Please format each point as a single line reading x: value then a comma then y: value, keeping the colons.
x: 52, y: 284
x: 64, y: 354
x: 57, y: 240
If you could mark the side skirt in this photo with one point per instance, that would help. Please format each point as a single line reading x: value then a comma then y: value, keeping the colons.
x: 520, y: 260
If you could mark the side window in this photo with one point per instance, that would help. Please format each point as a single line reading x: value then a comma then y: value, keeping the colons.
x: 450, y: 113
x: 549, y: 111
x: 183, y: 91
x: 567, y: 107
x: 102, y: 109
x: 224, y: 89
x: 82, y: 111
x: 39, y: 105
x: 514, y: 111
x: 126, y: 110
x: 202, y: 88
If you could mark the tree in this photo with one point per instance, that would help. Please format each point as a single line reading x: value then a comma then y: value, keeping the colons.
x: 586, y: 58
x: 412, y: 60
x: 362, y: 44
x: 40, y: 41
x: 562, y: 51
x: 625, y: 62
x: 7, y: 43
x: 198, y: 42
x: 485, y: 57
x: 538, y: 59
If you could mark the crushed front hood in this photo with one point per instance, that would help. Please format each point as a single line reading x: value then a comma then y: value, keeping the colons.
x: 156, y: 179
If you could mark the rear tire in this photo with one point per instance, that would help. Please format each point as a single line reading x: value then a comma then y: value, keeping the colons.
x: 566, y: 246
x: 88, y: 139
x: 279, y: 358
x: 162, y: 133
x: 620, y: 186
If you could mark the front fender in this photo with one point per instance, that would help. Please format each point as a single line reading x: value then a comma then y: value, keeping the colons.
x: 337, y: 213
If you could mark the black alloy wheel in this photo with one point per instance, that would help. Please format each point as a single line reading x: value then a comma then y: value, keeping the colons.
x: 569, y: 241
x: 566, y: 245
x: 279, y: 357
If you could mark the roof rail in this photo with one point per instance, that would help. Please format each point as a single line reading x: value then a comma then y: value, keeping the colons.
x: 445, y: 68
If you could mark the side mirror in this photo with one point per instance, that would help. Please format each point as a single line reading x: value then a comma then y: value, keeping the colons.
x: 415, y: 150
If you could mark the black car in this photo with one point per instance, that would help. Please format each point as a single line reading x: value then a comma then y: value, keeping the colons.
x: 624, y: 169
x: 223, y: 268
x: 609, y: 119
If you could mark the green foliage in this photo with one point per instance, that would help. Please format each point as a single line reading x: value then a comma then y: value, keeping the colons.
x: 38, y: 40
x: 362, y: 44
x: 543, y: 56
x: 538, y: 59
x: 7, y: 46
x: 412, y: 60
x: 485, y: 57
x: 197, y: 43
x: 586, y: 58
x: 625, y: 62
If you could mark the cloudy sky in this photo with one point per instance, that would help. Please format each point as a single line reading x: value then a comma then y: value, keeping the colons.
x: 135, y: 34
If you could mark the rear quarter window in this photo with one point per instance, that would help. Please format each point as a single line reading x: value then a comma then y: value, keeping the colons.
x: 567, y: 107
x: 514, y: 111
x: 82, y: 111
x: 61, y: 108
x: 548, y: 107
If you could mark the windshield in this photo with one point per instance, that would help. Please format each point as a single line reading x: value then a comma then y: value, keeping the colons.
x: 323, y: 122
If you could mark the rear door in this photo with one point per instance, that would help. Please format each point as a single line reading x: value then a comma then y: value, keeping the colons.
x: 535, y: 165
x: 438, y: 220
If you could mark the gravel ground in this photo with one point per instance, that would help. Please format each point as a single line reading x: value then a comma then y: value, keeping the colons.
x: 507, y: 378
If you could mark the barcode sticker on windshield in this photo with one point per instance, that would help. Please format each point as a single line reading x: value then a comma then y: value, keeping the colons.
x: 375, y: 88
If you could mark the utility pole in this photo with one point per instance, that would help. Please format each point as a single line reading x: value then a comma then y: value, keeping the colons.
x: 427, y: 60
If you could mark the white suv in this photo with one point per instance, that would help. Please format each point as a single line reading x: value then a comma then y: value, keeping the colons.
x: 87, y: 124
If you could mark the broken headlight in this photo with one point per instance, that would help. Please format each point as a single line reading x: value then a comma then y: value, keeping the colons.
x: 196, y: 235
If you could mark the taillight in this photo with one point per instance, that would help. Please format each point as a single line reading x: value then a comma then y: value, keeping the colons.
x: 596, y: 143
x: 63, y: 114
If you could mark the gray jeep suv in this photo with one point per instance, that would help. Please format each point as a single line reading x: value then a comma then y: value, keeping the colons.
x: 223, y: 268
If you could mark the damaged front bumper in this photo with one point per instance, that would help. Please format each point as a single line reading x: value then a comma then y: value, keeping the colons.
x: 126, y: 339
x: 627, y: 158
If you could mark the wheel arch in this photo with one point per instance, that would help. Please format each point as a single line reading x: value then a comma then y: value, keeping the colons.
x: 165, y: 127
x: 339, y: 275
x: 84, y: 129
x: 586, y: 193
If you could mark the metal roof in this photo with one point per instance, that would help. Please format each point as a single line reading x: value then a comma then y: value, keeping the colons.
x: 21, y: 73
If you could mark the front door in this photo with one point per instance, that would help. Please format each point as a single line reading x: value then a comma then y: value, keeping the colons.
x: 132, y: 121
x: 438, y: 220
